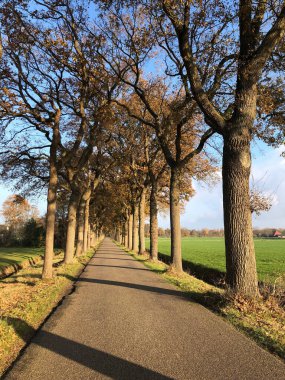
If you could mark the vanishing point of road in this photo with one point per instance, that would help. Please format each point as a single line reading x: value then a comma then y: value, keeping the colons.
x: 125, y: 322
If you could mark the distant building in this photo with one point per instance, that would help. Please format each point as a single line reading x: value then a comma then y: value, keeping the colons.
x: 277, y: 234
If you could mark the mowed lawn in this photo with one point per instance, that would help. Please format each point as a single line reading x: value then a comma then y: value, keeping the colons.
x: 210, y: 252
x: 15, y: 256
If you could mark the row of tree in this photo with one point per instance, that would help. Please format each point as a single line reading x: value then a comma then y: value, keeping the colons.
x: 115, y: 105
x: 206, y: 232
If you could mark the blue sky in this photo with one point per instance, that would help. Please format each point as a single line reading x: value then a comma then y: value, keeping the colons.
x: 205, y: 209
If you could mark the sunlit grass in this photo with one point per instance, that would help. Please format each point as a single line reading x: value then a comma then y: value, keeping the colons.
x: 12, y: 256
x: 210, y: 253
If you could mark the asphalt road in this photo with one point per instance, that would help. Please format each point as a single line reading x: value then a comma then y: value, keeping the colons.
x: 125, y: 322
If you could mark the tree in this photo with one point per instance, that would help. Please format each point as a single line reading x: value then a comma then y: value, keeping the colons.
x: 259, y: 201
x: 53, y: 89
x: 132, y: 173
x: 33, y: 233
x: 31, y: 94
x: 205, y: 32
x: 158, y: 103
x: 17, y: 212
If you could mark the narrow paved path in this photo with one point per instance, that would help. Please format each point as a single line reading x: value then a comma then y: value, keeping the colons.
x: 125, y: 322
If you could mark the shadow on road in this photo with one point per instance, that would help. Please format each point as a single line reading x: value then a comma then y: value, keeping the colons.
x: 116, y: 266
x: 153, y: 289
x: 111, y: 258
x: 214, y: 301
x: 110, y: 252
x: 99, y: 361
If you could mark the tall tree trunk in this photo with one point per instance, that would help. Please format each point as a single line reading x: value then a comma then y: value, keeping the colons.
x: 240, y: 254
x: 71, y: 226
x: 153, y: 222
x: 142, y: 222
x: 92, y: 238
x: 86, y: 224
x: 127, y: 232
x: 176, y: 257
x: 130, y: 231
x: 87, y: 230
x: 118, y: 233
x: 88, y: 238
x: 135, y: 246
x: 80, y: 224
x: 123, y: 234
x: 51, y: 208
x: 122, y: 237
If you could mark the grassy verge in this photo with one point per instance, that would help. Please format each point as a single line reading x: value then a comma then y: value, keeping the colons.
x: 14, y: 259
x: 26, y: 301
x: 263, y: 320
x: 16, y: 255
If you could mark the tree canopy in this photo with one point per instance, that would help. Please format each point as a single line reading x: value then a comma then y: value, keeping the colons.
x: 114, y: 108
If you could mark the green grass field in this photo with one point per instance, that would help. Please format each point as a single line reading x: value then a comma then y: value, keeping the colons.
x: 15, y: 256
x: 210, y: 253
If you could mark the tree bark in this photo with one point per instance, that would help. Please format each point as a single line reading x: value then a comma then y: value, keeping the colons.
x: 86, y: 225
x: 135, y: 246
x: 51, y: 208
x: 71, y: 226
x: 80, y: 224
x: 142, y: 222
x: 176, y: 256
x: 127, y: 232
x: 92, y: 238
x: 122, y: 237
x: 118, y: 233
x: 153, y: 222
x: 89, y: 237
x: 240, y: 255
x: 130, y: 231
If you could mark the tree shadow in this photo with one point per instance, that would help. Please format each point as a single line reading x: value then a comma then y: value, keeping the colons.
x: 111, y: 258
x: 115, y: 266
x: 110, y: 251
x: 28, y: 283
x: 13, y: 267
x: 153, y: 289
x: 210, y: 275
x: 264, y: 340
x: 214, y: 301
x: 99, y: 361
x: 15, y: 279
x: 31, y: 275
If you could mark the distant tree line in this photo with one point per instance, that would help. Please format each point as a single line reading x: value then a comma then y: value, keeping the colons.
x: 206, y: 232
x: 186, y: 232
x: 267, y: 232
